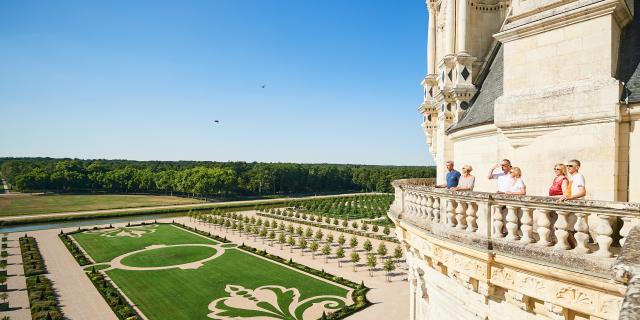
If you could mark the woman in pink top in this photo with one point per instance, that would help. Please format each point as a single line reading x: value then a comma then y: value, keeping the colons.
x: 560, y: 182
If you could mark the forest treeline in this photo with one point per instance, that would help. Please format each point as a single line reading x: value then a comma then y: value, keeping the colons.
x: 199, y: 177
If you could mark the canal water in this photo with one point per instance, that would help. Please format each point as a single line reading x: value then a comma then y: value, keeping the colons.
x: 88, y: 222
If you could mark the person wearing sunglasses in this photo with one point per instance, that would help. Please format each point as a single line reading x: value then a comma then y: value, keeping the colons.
x: 466, y: 181
x: 505, y: 180
x: 577, y: 185
x: 560, y: 181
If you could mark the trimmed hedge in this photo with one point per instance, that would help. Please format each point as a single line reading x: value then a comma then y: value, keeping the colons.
x: 43, y: 301
x: 359, y: 294
x: 206, y: 234
x: 80, y: 257
x: 112, y: 296
x: 31, y: 258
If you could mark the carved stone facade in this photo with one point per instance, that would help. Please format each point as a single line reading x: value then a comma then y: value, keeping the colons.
x: 475, y: 255
x: 537, y: 82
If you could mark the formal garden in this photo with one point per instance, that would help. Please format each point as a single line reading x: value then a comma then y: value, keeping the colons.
x: 170, y: 271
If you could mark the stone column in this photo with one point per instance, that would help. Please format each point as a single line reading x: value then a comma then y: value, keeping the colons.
x: 451, y: 26
x: 431, y: 40
x: 461, y: 34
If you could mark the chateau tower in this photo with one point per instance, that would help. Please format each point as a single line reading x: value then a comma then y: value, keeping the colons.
x: 537, y: 82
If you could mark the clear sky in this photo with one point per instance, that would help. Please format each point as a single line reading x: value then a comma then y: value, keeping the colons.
x: 145, y: 80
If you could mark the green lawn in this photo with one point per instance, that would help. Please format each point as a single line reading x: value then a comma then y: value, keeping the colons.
x: 39, y: 204
x: 166, y: 256
x: 104, y: 245
x: 242, y: 284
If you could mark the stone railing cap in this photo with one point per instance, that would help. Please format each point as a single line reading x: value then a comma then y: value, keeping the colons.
x: 625, y: 207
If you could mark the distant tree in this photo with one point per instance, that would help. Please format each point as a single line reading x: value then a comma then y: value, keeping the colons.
x: 345, y: 223
x: 386, y: 230
x: 375, y: 228
x: 272, y: 236
x: 354, y: 225
x: 319, y: 234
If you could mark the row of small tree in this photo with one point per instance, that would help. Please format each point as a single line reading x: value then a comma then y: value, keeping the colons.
x: 296, y: 236
x: 292, y: 213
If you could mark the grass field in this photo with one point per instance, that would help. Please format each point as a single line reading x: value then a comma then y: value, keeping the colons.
x: 234, y: 284
x: 39, y: 204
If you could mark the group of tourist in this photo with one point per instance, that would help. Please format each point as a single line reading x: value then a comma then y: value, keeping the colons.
x: 509, y: 179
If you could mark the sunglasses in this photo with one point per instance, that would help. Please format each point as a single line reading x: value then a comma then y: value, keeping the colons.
x: 569, y: 165
x: 557, y: 169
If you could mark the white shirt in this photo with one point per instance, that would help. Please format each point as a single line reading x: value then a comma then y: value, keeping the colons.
x: 504, y: 180
x: 515, y: 187
x: 577, y: 181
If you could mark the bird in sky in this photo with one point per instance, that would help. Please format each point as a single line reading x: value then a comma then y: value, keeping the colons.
x: 216, y: 121
x: 263, y: 86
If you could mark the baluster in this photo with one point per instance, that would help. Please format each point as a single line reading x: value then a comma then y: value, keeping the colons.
x: 436, y: 209
x: 460, y: 211
x: 562, y: 235
x: 512, y: 223
x: 581, y: 235
x: 471, y: 217
x: 498, y: 223
x: 603, y: 238
x: 543, y: 228
x: 526, y: 226
x: 451, y: 209
x: 429, y: 209
x: 628, y: 224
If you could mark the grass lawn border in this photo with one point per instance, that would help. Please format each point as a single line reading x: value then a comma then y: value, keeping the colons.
x: 122, y: 305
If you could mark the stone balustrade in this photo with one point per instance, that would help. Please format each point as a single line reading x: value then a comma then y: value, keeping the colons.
x: 585, y: 233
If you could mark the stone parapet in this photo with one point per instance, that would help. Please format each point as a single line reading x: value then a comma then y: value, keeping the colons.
x: 541, y: 256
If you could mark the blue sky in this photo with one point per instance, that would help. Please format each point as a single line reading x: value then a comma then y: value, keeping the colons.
x: 145, y: 80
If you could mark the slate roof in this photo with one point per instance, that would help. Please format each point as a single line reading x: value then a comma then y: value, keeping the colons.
x: 629, y: 58
x: 481, y: 110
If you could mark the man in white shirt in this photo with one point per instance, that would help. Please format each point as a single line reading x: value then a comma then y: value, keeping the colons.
x: 505, y: 180
x: 577, y: 184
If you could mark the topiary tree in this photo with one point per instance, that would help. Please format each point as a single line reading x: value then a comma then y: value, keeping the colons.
x: 291, y: 241
x: 314, y: 246
x: 372, y: 261
x: 353, y: 243
x: 345, y: 223
x: 375, y: 228
x: 319, y: 234
x: 308, y: 233
x: 382, y: 250
x: 281, y: 239
x: 339, y: 255
x: 355, y: 258
x: 329, y: 238
x: 386, y: 230
x: 389, y: 266
x: 302, y: 243
x: 367, y: 246
x: 326, y: 251
x: 341, y: 240
x: 398, y: 253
